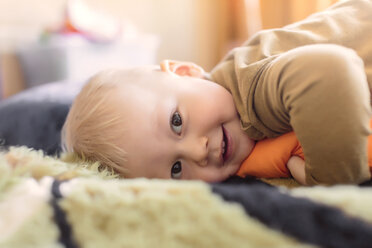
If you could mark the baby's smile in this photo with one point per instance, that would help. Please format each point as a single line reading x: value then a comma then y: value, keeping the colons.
x: 226, y: 145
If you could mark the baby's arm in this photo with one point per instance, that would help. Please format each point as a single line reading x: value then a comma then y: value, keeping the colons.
x: 296, y: 166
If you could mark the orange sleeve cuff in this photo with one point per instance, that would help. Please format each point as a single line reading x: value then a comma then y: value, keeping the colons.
x: 269, y: 157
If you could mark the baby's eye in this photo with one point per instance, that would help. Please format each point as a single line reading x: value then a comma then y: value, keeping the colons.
x: 176, y: 171
x: 176, y: 122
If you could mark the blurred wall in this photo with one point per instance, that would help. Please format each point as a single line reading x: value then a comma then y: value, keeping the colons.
x: 189, y: 29
x: 278, y: 13
x: 22, y: 20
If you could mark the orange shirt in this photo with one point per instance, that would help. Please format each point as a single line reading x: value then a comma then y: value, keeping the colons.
x: 269, y: 157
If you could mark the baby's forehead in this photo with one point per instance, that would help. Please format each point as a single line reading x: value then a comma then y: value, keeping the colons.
x: 147, y: 79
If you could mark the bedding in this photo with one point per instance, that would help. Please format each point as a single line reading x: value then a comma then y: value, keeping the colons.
x: 50, y: 202
x: 34, y: 117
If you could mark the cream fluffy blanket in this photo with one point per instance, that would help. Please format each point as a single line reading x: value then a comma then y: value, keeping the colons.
x: 50, y: 202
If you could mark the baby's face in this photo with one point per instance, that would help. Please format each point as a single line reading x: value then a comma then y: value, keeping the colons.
x: 180, y: 127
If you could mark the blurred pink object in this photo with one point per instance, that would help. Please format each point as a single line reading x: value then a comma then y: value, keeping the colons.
x: 80, y: 18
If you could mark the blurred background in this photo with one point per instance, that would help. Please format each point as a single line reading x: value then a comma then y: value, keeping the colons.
x: 44, y: 41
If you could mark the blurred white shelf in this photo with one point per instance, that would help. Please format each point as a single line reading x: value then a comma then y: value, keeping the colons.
x: 74, y: 57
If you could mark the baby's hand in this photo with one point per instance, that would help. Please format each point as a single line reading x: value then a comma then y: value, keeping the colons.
x: 296, y: 166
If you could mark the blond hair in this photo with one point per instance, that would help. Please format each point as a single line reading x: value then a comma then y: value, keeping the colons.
x: 93, y: 128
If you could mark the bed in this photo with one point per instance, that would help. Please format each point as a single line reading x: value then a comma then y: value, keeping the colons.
x: 48, y: 199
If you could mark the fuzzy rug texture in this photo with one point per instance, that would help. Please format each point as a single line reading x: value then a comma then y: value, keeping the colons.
x: 61, y: 202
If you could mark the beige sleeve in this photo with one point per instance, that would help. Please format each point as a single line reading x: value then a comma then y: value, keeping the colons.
x: 323, y: 93
x: 281, y: 82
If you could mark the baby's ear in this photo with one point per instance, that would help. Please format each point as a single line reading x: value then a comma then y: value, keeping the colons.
x: 182, y: 68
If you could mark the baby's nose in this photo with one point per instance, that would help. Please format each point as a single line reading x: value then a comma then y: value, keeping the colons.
x: 197, y: 151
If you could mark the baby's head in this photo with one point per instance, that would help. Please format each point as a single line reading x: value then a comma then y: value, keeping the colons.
x: 147, y: 122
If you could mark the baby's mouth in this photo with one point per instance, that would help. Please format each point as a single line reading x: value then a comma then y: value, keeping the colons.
x: 226, y: 145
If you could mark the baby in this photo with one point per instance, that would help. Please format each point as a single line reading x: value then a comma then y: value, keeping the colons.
x: 312, y: 77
